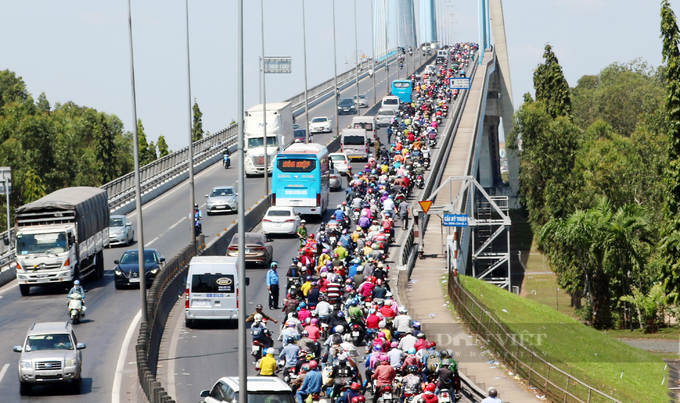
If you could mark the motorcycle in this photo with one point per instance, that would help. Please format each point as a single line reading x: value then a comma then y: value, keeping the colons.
x: 385, y: 394
x: 226, y: 162
x: 439, y: 120
x: 289, y: 375
x: 76, y: 310
x: 444, y: 396
x: 420, y: 183
x: 197, y: 224
x: 426, y: 163
x: 357, y: 334
x: 333, y: 239
x: 432, y: 142
x: 256, y: 350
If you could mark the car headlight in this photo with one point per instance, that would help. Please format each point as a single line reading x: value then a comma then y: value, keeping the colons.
x: 26, y: 364
x: 248, y: 161
x: 71, y: 362
x: 65, y: 274
x: 20, y: 277
x: 154, y: 270
x: 118, y: 272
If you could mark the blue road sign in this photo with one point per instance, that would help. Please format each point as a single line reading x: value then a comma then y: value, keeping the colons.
x: 455, y: 220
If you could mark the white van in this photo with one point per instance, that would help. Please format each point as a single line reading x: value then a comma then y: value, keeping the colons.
x: 390, y: 102
x: 365, y: 122
x: 354, y: 143
x: 212, y: 289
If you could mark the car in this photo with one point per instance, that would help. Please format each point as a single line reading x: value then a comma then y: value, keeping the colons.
x: 120, y: 231
x: 340, y: 161
x: 300, y: 136
x: 362, y: 101
x: 257, y: 250
x: 384, y: 116
x: 221, y: 199
x: 335, y: 181
x: 50, y: 354
x: 126, y: 272
x: 346, y: 106
x: 281, y: 220
x: 261, y: 389
x: 320, y: 124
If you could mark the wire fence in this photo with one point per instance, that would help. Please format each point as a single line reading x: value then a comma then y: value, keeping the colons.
x: 556, y: 384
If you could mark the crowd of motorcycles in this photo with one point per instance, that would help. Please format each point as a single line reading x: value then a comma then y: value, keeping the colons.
x: 339, y: 311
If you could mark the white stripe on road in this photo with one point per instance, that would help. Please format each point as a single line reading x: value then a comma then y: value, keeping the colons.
x: 118, y: 377
x: 3, y: 370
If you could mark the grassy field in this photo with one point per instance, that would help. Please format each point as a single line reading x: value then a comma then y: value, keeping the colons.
x: 624, y: 372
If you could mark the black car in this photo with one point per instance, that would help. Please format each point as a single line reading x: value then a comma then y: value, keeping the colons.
x: 126, y: 272
x: 347, y: 106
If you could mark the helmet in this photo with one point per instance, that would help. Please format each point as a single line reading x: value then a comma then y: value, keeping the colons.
x: 431, y: 344
x: 77, y: 282
x: 304, y: 333
x: 446, y: 362
x: 384, y: 358
x: 314, y: 321
x: 258, y: 317
x: 378, y: 282
x: 271, y: 351
x: 344, y: 203
x: 416, y: 325
x: 335, y: 255
x: 377, y: 347
x: 196, y: 205
x: 358, y: 399
x: 430, y: 387
x: 412, y: 369
x: 307, y: 322
x: 394, y: 344
x: 420, y: 335
x: 381, y: 335
x: 311, y: 236
x: 312, y: 364
x: 308, y: 278
x: 258, y: 307
x: 338, y: 328
x: 355, y: 386
x: 341, y: 314
x: 325, y: 250
x: 274, y: 264
x: 412, y: 350
x: 332, y: 216
x: 304, y: 305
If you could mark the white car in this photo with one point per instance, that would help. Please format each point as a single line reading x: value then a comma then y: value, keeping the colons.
x: 340, y: 161
x: 362, y: 101
x: 384, y: 116
x: 320, y: 124
x: 120, y: 231
x: 280, y: 220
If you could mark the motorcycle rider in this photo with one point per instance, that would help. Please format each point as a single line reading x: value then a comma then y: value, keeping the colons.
x: 311, y: 384
x: 197, y: 219
x: 290, y: 353
x: 258, y: 310
x: 78, y: 289
x: 384, y: 375
x: 267, y: 364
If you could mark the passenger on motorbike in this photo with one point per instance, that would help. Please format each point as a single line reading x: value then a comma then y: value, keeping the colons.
x: 267, y: 364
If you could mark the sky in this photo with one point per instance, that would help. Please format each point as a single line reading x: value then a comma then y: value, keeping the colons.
x: 78, y: 50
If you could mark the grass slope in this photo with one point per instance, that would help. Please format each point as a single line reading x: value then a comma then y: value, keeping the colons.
x: 581, y: 351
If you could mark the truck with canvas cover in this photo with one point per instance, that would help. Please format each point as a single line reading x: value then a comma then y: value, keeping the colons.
x: 279, y: 131
x: 61, y: 237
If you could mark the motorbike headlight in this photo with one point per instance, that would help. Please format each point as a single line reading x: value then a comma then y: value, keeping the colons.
x: 71, y: 362
x: 26, y: 364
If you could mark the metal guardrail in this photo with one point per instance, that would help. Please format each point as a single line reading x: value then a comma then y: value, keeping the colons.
x: 556, y: 384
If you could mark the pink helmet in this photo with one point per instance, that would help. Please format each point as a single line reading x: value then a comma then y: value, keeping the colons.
x: 381, y: 335
x: 394, y: 344
x: 383, y: 357
x: 314, y: 321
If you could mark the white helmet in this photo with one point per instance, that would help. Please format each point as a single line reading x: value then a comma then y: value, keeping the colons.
x: 402, y: 309
x: 270, y: 350
x: 257, y: 318
x: 77, y: 282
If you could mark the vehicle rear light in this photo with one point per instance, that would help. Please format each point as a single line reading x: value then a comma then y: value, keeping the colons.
x: 233, y: 248
x: 318, y: 199
x: 289, y: 221
x: 258, y: 248
x: 237, y: 298
x: 186, y: 299
x: 273, y: 199
x: 266, y: 220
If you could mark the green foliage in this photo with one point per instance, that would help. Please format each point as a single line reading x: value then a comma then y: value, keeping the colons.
x: 551, y: 86
x: 650, y: 306
x: 147, y: 152
x: 162, y: 147
x: 669, y: 247
x: 197, y: 127
x: 33, y: 186
x: 12, y: 89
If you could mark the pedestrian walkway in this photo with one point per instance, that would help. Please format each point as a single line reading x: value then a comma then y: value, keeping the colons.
x: 423, y: 294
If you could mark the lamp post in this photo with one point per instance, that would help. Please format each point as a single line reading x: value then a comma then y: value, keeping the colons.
x: 138, y: 192
x: 387, y: 24
x: 192, y: 195
x: 373, y: 46
x: 304, y: 48
x: 335, y: 67
x: 356, y: 55
x: 264, y: 107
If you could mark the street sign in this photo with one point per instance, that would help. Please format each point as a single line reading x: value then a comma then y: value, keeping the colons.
x: 459, y: 83
x: 5, y: 180
x: 280, y: 64
x: 455, y: 220
x: 425, y: 205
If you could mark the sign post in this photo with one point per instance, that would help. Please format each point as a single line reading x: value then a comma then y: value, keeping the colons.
x: 455, y: 220
x: 6, y: 178
x: 459, y: 83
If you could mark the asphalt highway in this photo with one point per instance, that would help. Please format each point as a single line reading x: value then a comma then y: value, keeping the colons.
x: 110, y: 312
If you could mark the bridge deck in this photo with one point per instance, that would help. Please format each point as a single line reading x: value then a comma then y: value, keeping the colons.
x: 424, y: 293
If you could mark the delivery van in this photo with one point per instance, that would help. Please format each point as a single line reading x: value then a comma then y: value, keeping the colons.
x: 365, y: 122
x: 354, y: 143
x: 212, y: 289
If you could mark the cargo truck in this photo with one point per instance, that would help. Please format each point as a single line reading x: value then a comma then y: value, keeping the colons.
x: 61, y: 237
x: 279, y: 131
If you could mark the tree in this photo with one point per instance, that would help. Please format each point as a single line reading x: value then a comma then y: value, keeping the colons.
x: 650, y: 306
x: 12, y: 89
x: 43, y: 104
x: 147, y: 154
x: 670, y: 243
x: 33, y: 186
x: 197, y: 128
x: 105, y: 150
x: 162, y: 147
x: 551, y: 86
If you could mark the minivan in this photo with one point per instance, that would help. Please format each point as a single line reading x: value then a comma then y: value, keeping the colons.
x: 390, y: 102
x: 354, y: 144
x: 365, y: 122
x: 212, y: 289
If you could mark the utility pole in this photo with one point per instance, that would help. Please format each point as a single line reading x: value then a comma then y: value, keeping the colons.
x: 192, y: 195
x: 264, y: 109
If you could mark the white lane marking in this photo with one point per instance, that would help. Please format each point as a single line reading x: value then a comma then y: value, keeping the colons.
x: 118, y: 377
x: 173, y: 356
x: 3, y: 370
x: 150, y: 242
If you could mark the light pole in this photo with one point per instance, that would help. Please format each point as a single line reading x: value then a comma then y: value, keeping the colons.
x: 243, y: 354
x: 356, y: 55
x: 138, y: 191
x: 264, y: 108
x: 387, y: 53
x: 373, y: 46
x: 304, y: 47
x: 335, y: 67
x: 398, y: 55
x: 192, y: 195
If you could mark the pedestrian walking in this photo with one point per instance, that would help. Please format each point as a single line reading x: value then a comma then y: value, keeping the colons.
x: 403, y: 214
x: 273, y: 286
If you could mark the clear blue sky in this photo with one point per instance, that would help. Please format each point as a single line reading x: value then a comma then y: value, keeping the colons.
x: 77, y: 50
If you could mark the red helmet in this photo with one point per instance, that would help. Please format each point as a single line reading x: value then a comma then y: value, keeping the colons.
x: 344, y: 203
x: 358, y: 399
x: 355, y: 386
x: 378, y: 282
x: 312, y: 364
x: 311, y: 236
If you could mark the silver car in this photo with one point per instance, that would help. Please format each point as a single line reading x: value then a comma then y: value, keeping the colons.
x: 120, y: 230
x: 362, y: 101
x: 221, y: 199
x: 50, y: 354
x: 335, y: 180
x: 384, y: 116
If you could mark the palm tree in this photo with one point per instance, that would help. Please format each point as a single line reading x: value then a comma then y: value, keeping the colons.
x: 649, y: 306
